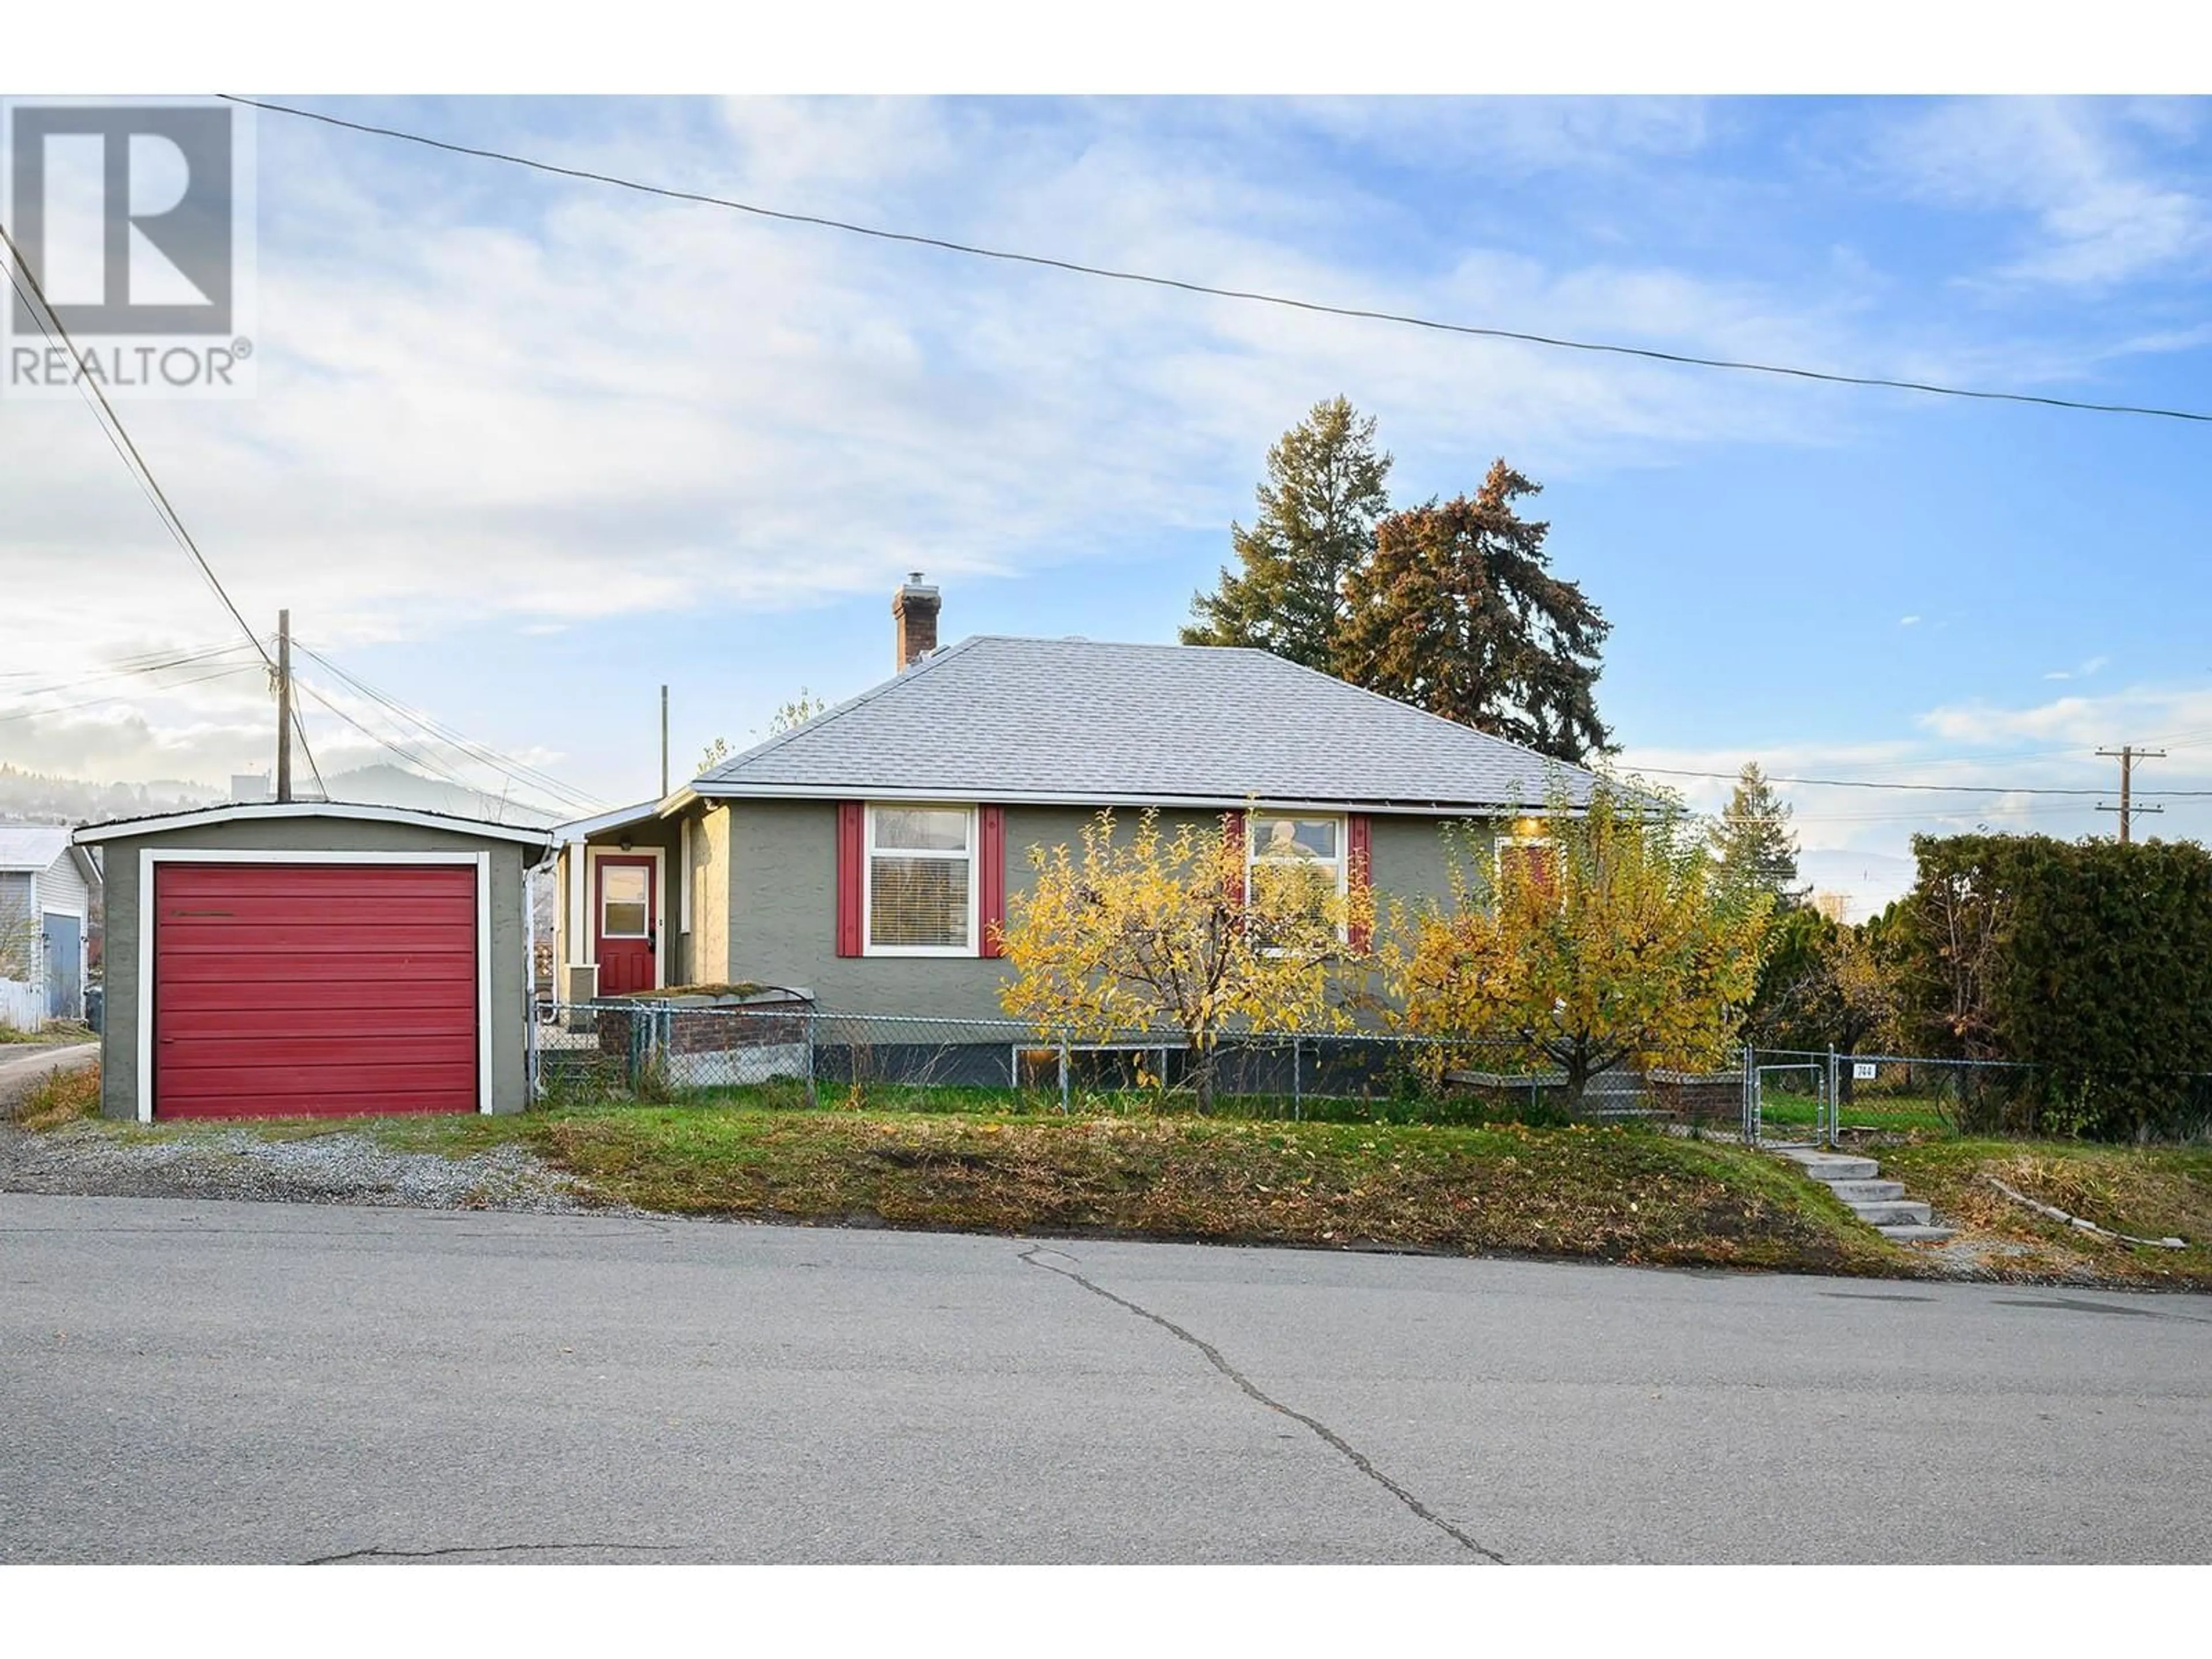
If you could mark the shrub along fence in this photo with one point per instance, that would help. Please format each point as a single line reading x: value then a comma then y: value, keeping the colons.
x: 1803, y: 1094
x: 779, y: 1047
x: 787, y: 1049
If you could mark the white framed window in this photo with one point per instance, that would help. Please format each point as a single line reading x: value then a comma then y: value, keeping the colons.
x: 919, y: 892
x: 1538, y: 855
x: 1305, y: 840
x: 625, y: 901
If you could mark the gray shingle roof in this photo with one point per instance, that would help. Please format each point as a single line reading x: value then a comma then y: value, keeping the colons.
x: 997, y: 718
x: 32, y: 846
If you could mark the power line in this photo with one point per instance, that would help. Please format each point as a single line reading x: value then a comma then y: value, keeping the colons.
x: 161, y: 667
x: 119, y: 437
x: 124, y: 697
x: 1555, y: 341
x: 1928, y: 788
x: 421, y: 761
x: 508, y: 766
x: 131, y: 664
x: 42, y: 312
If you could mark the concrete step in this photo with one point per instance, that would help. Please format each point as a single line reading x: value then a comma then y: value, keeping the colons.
x: 1835, y: 1166
x: 1908, y: 1233
x: 1866, y: 1192
x: 1894, y: 1212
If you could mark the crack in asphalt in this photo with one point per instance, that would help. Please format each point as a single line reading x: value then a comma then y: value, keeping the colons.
x: 1328, y: 1437
x: 377, y: 1551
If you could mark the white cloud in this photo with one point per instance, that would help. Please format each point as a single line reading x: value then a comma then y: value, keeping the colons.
x: 491, y: 397
x: 2082, y: 671
x: 1908, y: 622
x: 488, y: 396
x: 2088, y: 174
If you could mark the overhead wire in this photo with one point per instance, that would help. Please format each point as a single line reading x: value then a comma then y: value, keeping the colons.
x: 508, y: 765
x: 161, y: 666
x: 421, y: 761
x: 1255, y: 296
x: 1914, y: 787
x: 126, y: 696
x: 49, y: 323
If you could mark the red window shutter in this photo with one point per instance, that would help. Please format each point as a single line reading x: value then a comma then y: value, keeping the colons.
x: 1232, y: 840
x: 852, y: 853
x: 1356, y: 868
x: 991, y: 911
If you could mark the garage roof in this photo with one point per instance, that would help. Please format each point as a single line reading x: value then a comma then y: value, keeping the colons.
x: 123, y: 829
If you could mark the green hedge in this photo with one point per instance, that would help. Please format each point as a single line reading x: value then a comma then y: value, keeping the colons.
x: 2088, y: 960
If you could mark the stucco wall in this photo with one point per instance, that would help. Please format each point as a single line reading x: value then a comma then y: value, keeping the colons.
x: 119, y: 1041
x: 783, y: 872
x: 710, y: 897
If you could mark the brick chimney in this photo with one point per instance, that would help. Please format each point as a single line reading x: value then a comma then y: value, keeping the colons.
x: 914, y: 621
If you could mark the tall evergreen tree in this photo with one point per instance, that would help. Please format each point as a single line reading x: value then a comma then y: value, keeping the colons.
x: 1324, y: 491
x: 1753, y: 841
x: 1458, y: 612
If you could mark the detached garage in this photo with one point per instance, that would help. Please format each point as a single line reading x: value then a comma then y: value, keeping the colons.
x: 314, y: 959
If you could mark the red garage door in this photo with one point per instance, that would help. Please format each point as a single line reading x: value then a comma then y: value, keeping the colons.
x: 289, y: 990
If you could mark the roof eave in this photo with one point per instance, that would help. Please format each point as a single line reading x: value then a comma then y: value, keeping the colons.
x: 93, y: 834
x: 1482, y: 806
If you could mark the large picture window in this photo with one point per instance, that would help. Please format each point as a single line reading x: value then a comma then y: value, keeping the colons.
x: 1306, y: 843
x: 921, y: 896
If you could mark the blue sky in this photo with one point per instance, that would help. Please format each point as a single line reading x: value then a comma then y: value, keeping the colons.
x: 524, y: 448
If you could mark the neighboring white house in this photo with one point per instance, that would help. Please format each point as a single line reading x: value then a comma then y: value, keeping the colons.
x: 45, y: 923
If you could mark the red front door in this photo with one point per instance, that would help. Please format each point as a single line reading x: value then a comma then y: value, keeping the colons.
x: 627, y: 905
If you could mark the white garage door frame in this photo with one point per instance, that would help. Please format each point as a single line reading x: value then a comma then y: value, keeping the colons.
x: 150, y: 918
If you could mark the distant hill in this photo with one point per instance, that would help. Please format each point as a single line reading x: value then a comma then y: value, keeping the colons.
x: 44, y: 800
x: 395, y: 786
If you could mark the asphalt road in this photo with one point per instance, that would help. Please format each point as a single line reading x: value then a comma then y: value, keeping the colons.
x: 185, y: 1381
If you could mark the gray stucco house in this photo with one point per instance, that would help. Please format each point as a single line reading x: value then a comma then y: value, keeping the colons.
x: 863, y: 857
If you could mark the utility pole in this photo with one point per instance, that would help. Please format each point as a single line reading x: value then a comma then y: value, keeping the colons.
x: 284, y: 706
x: 664, y: 743
x: 2127, y: 754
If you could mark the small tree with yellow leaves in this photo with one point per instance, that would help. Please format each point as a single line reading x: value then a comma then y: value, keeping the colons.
x: 1620, y: 944
x: 1158, y: 932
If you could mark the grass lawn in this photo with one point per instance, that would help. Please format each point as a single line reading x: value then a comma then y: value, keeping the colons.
x: 977, y: 1161
x: 1620, y: 1194
x: 2154, y: 1191
x: 57, y: 1098
x: 1885, y: 1114
x: 1626, y: 1194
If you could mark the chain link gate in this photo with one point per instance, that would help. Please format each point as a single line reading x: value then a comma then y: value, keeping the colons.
x: 1783, y: 1065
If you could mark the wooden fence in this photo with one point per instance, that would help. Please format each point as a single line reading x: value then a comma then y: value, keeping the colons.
x: 22, y: 1006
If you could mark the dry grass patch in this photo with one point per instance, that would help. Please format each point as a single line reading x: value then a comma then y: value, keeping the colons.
x: 2151, y: 1192
x: 1616, y: 1194
x: 60, y: 1097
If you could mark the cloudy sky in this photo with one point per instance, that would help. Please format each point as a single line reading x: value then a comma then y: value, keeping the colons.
x: 524, y: 448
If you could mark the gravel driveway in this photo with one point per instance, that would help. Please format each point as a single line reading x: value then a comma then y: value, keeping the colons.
x: 88, y: 1160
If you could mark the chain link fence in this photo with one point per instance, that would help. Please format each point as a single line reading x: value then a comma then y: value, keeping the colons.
x: 791, y: 1052
x: 1798, y: 1094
